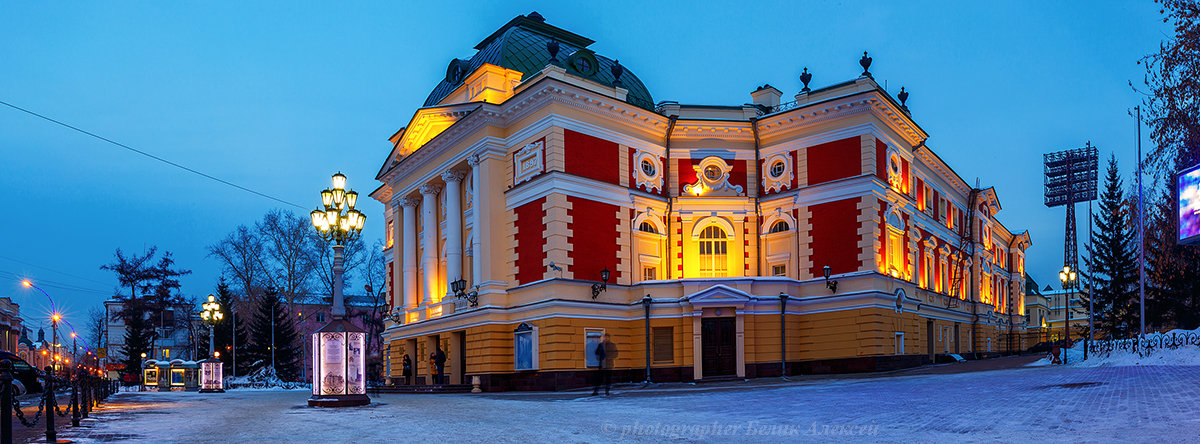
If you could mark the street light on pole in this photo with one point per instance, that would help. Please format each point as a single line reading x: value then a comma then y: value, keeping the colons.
x: 1068, y: 277
x: 338, y: 361
x: 210, y: 370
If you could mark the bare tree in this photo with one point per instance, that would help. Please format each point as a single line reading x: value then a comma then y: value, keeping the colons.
x: 286, y: 239
x: 374, y: 274
x: 321, y: 253
x: 240, y: 254
x: 97, y: 326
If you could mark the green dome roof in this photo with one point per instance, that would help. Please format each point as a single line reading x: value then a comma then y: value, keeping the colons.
x: 521, y: 45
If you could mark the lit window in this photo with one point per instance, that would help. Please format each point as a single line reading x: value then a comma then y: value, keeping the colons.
x: 388, y: 235
x: 779, y: 270
x: 647, y: 227
x: 713, y: 248
x: 779, y: 227
x: 895, y: 246
x: 649, y: 273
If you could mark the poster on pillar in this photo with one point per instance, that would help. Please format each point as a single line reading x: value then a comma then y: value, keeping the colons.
x: 333, y: 376
x: 355, y: 382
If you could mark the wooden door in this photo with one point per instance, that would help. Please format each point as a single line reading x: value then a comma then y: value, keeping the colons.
x: 719, y: 346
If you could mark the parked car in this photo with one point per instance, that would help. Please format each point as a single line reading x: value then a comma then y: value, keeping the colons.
x: 26, y: 379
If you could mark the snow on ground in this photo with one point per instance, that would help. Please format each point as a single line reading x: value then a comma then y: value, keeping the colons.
x: 1043, y: 404
x: 1187, y: 354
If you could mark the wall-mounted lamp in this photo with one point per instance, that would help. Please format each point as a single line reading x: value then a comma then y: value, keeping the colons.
x: 832, y: 285
x: 460, y: 291
x: 600, y: 287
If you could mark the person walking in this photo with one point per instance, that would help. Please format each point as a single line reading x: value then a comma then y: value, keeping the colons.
x: 407, y: 369
x: 605, y: 353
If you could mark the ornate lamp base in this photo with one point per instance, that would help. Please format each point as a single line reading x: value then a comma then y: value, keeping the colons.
x: 338, y: 400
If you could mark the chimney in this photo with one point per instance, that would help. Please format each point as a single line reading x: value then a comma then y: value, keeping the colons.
x: 767, y: 96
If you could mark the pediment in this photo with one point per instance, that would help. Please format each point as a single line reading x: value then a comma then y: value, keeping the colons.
x: 718, y: 295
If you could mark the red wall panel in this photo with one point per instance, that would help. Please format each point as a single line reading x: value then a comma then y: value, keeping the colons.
x: 687, y: 173
x: 881, y: 160
x: 594, y: 242
x: 834, y: 160
x: 591, y: 157
x: 530, y: 240
x: 835, y: 236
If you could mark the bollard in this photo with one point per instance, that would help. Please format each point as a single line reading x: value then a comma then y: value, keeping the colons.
x: 87, y: 395
x: 75, y: 400
x: 51, y: 435
x: 6, y: 398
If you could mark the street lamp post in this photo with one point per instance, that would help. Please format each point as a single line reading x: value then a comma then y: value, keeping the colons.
x: 1068, y: 277
x: 339, y: 373
x: 54, y: 318
x: 211, y: 380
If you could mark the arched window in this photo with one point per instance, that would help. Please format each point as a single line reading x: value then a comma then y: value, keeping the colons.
x: 647, y: 227
x: 713, y: 248
x: 779, y: 227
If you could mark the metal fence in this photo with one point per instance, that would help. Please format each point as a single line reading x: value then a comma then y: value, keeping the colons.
x: 1147, y: 345
x: 87, y: 391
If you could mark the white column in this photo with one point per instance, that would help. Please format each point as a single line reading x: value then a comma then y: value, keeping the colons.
x: 476, y: 216
x: 410, y: 251
x: 454, y: 225
x: 429, y: 224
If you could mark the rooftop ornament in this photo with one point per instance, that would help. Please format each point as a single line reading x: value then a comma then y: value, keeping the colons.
x: 552, y: 47
x: 865, y: 61
x: 805, y: 77
x: 903, y: 96
x: 617, y: 70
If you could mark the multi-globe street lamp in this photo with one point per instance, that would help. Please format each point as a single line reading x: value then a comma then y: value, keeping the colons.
x: 339, y: 367
x: 211, y: 378
x: 1068, y: 278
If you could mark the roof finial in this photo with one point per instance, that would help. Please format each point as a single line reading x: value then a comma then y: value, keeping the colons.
x: 552, y: 48
x: 536, y: 17
x: 866, y: 64
x: 617, y: 70
x: 805, y: 77
x: 903, y: 96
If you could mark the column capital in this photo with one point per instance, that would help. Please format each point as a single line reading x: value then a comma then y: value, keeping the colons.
x: 454, y: 176
x: 410, y: 201
x: 431, y: 189
x: 473, y: 160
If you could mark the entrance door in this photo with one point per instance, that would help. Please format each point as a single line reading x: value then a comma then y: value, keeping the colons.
x: 718, y: 346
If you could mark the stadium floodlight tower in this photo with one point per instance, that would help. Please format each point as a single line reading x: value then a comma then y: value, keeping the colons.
x: 1070, y: 178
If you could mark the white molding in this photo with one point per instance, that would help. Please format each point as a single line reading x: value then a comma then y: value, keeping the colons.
x: 722, y: 222
x: 784, y: 181
x: 570, y: 185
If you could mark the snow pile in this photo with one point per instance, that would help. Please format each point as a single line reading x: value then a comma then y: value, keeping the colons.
x: 1185, y: 352
x: 264, y: 378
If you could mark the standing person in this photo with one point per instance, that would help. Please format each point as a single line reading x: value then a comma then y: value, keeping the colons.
x: 439, y: 360
x: 407, y: 369
x: 605, y: 353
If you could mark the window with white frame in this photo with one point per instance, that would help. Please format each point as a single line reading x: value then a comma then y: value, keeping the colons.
x: 647, y: 227
x: 898, y: 343
x: 929, y: 269
x: 649, y: 273
x: 713, y: 252
x: 779, y: 270
x: 779, y: 227
x: 591, y: 340
x: 895, y: 244
x: 525, y: 347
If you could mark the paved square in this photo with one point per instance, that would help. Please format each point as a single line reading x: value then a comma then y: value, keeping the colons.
x: 1035, y: 404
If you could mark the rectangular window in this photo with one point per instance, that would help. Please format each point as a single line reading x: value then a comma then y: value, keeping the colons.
x: 590, y: 342
x: 929, y: 271
x: 779, y: 270
x: 713, y: 252
x: 649, y: 273
x: 899, y: 343
x: 895, y: 251
x: 664, y: 344
x: 525, y: 348
x: 388, y: 235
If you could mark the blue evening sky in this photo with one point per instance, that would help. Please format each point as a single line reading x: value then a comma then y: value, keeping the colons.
x: 278, y: 96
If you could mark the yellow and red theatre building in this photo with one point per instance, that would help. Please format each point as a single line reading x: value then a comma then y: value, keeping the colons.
x: 537, y: 165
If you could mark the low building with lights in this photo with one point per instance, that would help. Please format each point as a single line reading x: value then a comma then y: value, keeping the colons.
x: 175, y: 331
x: 817, y: 235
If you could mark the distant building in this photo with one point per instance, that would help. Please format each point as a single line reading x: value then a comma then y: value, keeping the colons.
x: 174, y: 335
x: 10, y: 325
x: 537, y: 166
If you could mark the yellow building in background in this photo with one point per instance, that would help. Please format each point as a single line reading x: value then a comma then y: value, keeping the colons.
x: 710, y: 241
